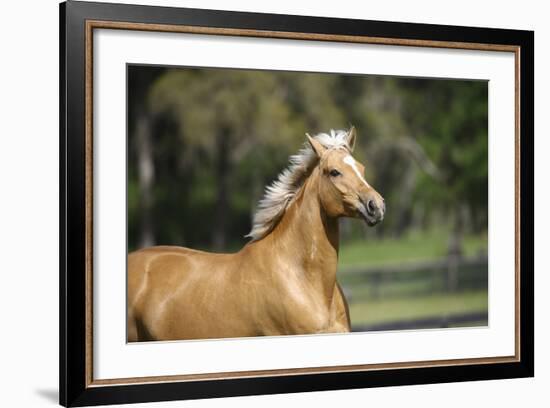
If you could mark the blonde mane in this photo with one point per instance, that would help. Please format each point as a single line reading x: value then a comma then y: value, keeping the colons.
x: 279, y: 194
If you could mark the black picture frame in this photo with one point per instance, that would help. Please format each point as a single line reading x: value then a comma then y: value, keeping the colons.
x: 75, y: 386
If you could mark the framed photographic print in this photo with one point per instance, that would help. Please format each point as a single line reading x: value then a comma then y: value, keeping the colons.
x: 255, y: 203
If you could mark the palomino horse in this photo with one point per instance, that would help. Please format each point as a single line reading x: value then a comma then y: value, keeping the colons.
x: 283, y: 281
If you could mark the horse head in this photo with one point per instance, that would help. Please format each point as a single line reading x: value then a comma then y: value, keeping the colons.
x: 343, y: 190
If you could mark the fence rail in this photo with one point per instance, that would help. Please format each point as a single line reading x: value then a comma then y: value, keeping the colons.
x: 441, y: 275
x: 416, y: 266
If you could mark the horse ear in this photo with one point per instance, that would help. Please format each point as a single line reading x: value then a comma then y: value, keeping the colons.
x: 350, y: 138
x: 317, y: 147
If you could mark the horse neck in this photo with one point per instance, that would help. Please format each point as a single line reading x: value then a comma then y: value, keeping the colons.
x: 308, y: 238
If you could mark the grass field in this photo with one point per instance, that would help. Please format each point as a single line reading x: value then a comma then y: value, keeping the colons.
x: 412, y: 308
x: 416, y: 246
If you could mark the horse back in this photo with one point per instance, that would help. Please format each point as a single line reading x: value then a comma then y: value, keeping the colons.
x: 157, y: 279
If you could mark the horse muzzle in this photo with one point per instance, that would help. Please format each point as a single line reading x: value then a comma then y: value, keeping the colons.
x: 372, y: 208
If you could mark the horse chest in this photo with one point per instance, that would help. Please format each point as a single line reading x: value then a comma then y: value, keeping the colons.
x: 297, y: 307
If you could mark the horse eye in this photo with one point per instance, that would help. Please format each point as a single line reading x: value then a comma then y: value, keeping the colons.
x: 335, y: 173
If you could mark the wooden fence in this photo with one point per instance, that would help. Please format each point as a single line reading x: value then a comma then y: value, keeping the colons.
x: 420, y: 278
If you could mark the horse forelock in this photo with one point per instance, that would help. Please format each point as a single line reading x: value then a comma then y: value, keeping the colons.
x: 279, y: 194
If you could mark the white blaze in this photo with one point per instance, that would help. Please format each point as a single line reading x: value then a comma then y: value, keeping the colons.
x: 350, y: 161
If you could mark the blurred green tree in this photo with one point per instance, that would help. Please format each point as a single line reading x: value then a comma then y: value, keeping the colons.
x: 454, y: 132
x: 203, y: 143
x: 140, y: 129
x: 225, y: 114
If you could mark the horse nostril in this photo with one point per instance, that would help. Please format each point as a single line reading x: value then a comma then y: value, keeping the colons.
x: 371, y: 207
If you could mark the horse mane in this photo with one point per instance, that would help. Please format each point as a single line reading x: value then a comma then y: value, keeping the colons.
x: 279, y: 194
